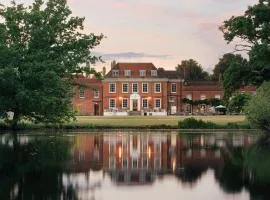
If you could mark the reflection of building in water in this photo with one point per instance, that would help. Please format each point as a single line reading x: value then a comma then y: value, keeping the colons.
x: 194, y: 154
x: 131, y: 158
x: 139, y: 158
x: 87, y: 153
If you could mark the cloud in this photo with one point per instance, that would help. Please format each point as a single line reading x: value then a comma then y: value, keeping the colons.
x: 128, y: 55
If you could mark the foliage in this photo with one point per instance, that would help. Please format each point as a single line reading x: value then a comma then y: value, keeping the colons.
x: 238, y: 101
x: 192, y: 123
x: 191, y: 70
x: 34, y: 167
x: 235, y: 75
x: 211, y: 102
x: 222, y: 65
x: 252, y: 28
x: 258, y: 108
x: 42, y: 47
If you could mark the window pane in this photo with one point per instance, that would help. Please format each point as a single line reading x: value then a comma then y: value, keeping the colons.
x: 112, y: 103
x: 157, y: 103
x: 145, y: 103
x: 145, y: 87
x: 124, y: 103
x: 135, y: 87
x: 125, y: 87
x: 173, y: 87
x: 157, y: 87
x: 112, y: 87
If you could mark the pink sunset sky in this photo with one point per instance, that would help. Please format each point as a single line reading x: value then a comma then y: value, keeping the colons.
x: 163, y: 32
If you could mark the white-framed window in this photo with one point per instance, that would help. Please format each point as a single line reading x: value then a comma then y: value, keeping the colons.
x: 157, y: 103
x: 142, y: 73
x: 189, y: 97
x: 144, y: 103
x: 127, y: 73
x: 217, y: 96
x: 134, y: 87
x: 153, y: 72
x: 96, y: 94
x: 112, y: 87
x: 115, y: 72
x: 112, y: 103
x: 157, y: 87
x: 144, y: 87
x: 81, y: 93
x: 124, y: 103
x: 173, y: 87
x: 203, y: 97
x: 125, y: 88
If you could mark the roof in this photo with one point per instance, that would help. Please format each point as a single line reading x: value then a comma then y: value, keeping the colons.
x: 170, y: 74
x: 133, y: 67
x: 86, y: 81
x: 193, y: 83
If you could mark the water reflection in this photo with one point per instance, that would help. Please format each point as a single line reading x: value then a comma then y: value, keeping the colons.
x: 91, y: 166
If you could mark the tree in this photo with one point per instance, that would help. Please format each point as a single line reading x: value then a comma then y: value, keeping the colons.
x: 223, y: 64
x: 42, y: 49
x: 258, y: 108
x: 253, y: 30
x: 236, y: 75
x: 191, y: 70
x: 238, y: 102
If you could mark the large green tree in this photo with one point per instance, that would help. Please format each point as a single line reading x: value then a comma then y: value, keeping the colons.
x: 224, y: 63
x: 191, y: 70
x: 253, y: 30
x: 42, y: 48
x: 258, y: 108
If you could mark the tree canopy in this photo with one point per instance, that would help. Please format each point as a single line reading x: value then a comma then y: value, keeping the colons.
x: 42, y: 48
x: 253, y: 30
x: 224, y: 63
x: 191, y: 70
x: 258, y: 108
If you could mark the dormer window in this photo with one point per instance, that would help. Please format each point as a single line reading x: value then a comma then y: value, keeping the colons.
x: 127, y: 73
x: 115, y: 73
x: 142, y: 73
x: 153, y: 72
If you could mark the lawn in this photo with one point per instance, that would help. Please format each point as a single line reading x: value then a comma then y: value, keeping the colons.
x: 148, y: 120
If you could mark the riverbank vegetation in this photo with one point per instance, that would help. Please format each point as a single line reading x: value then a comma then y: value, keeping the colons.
x: 148, y: 122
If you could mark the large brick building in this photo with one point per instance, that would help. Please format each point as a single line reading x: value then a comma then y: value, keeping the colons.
x: 143, y: 89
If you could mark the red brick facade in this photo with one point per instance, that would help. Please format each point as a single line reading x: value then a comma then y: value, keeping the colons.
x: 87, y: 98
x: 141, y: 88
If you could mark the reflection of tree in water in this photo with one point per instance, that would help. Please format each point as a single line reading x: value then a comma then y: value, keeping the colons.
x: 34, y: 170
x: 191, y: 174
x: 247, y: 168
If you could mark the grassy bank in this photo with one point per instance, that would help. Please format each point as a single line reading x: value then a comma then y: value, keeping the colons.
x: 144, y: 122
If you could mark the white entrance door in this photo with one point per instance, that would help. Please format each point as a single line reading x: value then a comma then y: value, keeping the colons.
x: 135, y: 102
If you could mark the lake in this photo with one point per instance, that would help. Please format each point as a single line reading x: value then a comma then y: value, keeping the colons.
x: 123, y: 165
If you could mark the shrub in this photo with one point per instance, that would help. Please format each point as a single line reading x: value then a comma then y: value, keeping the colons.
x: 192, y: 123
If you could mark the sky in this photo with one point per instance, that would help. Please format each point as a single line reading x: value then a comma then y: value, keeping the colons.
x: 163, y: 32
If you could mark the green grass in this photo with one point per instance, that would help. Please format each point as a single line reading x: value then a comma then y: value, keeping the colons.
x: 139, y: 121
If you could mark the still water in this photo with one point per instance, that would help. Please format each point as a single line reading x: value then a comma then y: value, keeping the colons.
x: 134, y: 166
